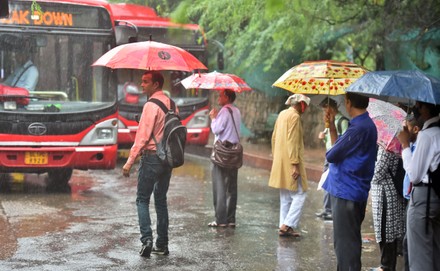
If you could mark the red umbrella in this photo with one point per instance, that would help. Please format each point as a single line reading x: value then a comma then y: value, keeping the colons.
x: 150, y: 55
x: 216, y: 81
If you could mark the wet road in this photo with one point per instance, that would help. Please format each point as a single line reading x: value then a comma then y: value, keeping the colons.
x: 94, y: 226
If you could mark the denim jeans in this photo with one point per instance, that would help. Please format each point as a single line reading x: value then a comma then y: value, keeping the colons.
x: 153, y: 177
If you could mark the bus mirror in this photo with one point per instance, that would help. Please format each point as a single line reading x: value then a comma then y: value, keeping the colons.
x: 220, y: 61
x: 125, y: 34
x: 4, y: 9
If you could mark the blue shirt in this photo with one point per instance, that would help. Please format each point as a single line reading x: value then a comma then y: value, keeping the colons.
x: 24, y: 77
x: 352, y: 159
x: 406, y: 180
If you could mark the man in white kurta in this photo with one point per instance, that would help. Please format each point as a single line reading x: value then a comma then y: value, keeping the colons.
x: 288, y: 173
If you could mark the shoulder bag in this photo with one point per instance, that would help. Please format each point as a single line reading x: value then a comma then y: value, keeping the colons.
x: 226, y: 154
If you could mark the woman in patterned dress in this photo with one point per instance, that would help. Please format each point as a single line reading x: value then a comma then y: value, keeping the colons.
x: 388, y: 208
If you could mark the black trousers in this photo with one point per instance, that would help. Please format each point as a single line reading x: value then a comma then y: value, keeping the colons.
x: 388, y: 251
x: 347, y: 220
x: 224, y: 191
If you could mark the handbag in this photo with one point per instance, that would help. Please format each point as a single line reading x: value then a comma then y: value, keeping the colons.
x: 226, y: 154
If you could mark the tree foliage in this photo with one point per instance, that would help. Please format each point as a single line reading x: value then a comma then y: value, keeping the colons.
x: 273, y: 35
x: 271, y: 32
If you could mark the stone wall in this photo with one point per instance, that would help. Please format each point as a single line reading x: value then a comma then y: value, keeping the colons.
x: 255, y: 107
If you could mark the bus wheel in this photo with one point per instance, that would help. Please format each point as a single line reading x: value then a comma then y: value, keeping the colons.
x: 59, y: 178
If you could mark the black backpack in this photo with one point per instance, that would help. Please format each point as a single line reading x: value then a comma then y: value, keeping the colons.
x: 434, y: 183
x: 434, y: 177
x: 171, y: 148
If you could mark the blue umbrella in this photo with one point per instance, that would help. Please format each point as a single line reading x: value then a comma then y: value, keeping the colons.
x: 398, y: 86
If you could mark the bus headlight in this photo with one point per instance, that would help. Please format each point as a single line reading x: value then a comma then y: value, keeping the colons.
x: 104, y: 133
x: 199, y: 120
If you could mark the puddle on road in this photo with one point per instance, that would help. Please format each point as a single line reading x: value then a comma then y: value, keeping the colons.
x: 28, y: 209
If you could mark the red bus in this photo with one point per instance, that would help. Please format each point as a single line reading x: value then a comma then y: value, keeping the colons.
x: 68, y: 118
x: 143, y: 24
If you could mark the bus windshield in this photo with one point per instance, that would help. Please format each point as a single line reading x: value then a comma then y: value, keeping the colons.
x: 42, y: 72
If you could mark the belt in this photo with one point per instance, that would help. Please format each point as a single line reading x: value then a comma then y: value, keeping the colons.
x: 148, y: 152
x: 421, y: 184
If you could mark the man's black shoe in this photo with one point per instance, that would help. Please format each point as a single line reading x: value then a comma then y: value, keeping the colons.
x: 146, y: 249
x: 327, y: 216
x: 321, y: 214
x: 161, y: 250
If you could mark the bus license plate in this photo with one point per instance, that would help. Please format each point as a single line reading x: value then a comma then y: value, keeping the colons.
x: 36, y: 158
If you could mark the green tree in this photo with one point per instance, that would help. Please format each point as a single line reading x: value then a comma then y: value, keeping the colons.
x: 262, y: 39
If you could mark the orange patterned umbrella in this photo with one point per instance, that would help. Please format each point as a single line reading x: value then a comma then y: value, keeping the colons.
x: 320, y: 77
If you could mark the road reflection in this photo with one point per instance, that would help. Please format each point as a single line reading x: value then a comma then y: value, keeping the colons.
x: 29, y: 209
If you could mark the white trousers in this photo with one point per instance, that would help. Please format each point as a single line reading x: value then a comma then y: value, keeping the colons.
x: 291, y: 206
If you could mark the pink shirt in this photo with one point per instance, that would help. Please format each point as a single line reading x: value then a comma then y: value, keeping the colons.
x: 152, y: 120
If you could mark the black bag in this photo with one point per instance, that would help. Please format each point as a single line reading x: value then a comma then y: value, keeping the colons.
x: 171, y: 149
x: 226, y: 154
x: 434, y: 180
x: 434, y: 177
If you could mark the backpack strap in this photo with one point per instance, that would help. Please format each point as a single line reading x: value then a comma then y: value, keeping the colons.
x: 164, y: 109
x: 162, y: 106
x: 235, y: 126
x: 339, y: 124
x: 428, y: 200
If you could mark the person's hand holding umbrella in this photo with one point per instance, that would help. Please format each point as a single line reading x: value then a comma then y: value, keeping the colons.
x: 330, y: 123
x: 404, y: 137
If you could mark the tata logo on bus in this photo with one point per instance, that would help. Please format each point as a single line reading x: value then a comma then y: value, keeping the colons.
x: 37, y: 128
x: 37, y: 16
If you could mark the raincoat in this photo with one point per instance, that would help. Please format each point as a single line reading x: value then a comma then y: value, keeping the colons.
x: 287, y: 149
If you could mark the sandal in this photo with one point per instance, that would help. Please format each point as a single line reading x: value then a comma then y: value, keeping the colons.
x: 215, y: 225
x: 289, y: 232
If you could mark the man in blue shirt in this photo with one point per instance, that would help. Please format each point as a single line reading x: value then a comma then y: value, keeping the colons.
x: 25, y: 75
x: 352, y: 160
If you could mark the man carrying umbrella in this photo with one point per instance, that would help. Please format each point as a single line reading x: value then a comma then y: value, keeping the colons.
x: 338, y: 125
x: 154, y: 176
x: 422, y: 167
x: 225, y: 124
x: 352, y: 159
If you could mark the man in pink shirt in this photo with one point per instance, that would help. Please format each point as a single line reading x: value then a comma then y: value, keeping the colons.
x: 153, y: 176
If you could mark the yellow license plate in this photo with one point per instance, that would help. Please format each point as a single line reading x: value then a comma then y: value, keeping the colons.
x: 36, y: 158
